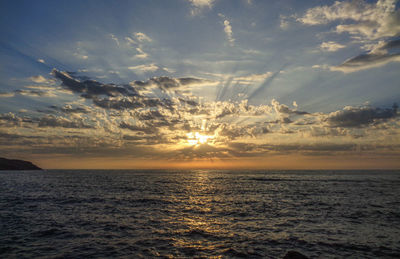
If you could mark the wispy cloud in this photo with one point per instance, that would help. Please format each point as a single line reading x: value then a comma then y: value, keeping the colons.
x: 142, y: 37
x: 359, y: 18
x: 7, y: 95
x: 331, y: 46
x: 228, y: 32
x: 199, y: 5
x: 144, y: 68
x: 365, y: 23
x: 380, y: 55
x: 38, y: 79
x: 113, y: 37
x: 227, y: 29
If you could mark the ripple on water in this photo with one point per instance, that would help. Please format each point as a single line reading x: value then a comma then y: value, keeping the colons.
x: 206, y: 214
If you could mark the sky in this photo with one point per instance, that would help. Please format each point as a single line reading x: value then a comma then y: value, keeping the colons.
x: 241, y: 84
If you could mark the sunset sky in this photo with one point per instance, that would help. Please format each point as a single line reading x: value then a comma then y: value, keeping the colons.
x: 201, y: 84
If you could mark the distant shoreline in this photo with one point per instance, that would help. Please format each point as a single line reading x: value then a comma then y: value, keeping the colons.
x: 16, y: 164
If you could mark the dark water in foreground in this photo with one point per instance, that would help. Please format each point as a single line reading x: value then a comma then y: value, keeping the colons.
x: 79, y: 214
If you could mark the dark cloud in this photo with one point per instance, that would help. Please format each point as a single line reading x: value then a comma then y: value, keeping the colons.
x: 162, y: 82
x: 111, y: 96
x: 356, y: 117
x: 144, y: 129
x: 12, y: 137
x: 148, y: 115
x: 226, y: 111
x: 304, y: 122
x: 10, y: 117
x: 36, y: 93
x: 122, y: 103
x: 10, y: 120
x: 90, y: 88
x: 285, y: 120
x: 132, y: 137
x: 166, y: 83
x: 70, y: 109
x: 53, y: 121
x: 190, y: 81
x: 9, y: 140
x: 381, y: 55
x: 146, y: 139
x: 392, y: 44
x: 118, y: 104
x: 190, y: 102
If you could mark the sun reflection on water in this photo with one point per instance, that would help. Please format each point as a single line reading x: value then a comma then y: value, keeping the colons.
x: 201, y: 227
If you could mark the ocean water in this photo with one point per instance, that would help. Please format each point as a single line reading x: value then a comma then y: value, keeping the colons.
x: 199, y: 213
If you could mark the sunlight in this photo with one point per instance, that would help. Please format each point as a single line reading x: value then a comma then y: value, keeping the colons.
x: 197, y: 138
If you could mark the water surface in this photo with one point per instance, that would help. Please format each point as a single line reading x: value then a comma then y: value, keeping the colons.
x: 199, y: 213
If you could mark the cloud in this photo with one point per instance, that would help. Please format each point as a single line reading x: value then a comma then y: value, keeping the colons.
x: 141, y: 54
x: 145, y: 139
x: 226, y: 108
x: 130, y: 41
x: 284, y: 22
x: 202, y: 3
x: 34, y: 93
x: 365, y: 23
x: 199, y: 5
x: 81, y: 56
x: 41, y: 87
x: 122, y: 97
x: 69, y: 109
x: 357, y: 117
x: 331, y: 46
x: 55, y: 121
x: 6, y: 95
x: 90, y: 88
x: 282, y: 108
x: 366, y: 61
x: 166, y: 83
x: 138, y: 43
x: 381, y: 54
x: 141, y: 37
x: 228, y: 32
x: 122, y: 103
x: 162, y: 111
x: 113, y: 37
x: 10, y: 119
x: 358, y: 18
x: 38, y: 79
x: 146, y: 130
x: 249, y: 79
x: 144, y: 68
x: 323, y: 66
x: 247, y: 149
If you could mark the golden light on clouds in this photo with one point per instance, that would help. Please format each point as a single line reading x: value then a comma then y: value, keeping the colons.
x: 196, y: 138
x: 216, y: 98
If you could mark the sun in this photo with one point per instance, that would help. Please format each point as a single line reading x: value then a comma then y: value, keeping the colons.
x: 197, y: 138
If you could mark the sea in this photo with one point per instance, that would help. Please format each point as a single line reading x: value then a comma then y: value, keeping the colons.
x: 199, y: 214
